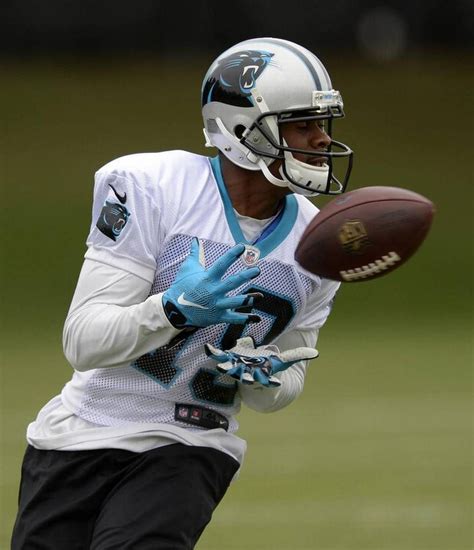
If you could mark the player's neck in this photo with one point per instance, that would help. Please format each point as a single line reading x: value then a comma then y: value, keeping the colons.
x: 251, y: 193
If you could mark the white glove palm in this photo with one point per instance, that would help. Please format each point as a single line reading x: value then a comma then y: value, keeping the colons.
x: 248, y: 363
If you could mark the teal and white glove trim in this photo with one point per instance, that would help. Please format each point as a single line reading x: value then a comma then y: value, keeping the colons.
x: 198, y: 297
x: 248, y: 363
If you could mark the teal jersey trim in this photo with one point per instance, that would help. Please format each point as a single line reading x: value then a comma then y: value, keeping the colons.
x: 275, y: 237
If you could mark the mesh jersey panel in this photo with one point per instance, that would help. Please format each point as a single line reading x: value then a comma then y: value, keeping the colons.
x: 147, y: 390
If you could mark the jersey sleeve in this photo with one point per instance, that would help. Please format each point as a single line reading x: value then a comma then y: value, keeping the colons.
x: 111, y: 321
x: 318, y: 307
x: 126, y: 229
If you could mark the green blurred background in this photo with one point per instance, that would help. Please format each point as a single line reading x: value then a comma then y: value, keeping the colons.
x: 377, y: 452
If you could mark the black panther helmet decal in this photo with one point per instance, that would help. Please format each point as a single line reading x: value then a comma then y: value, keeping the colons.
x: 233, y: 79
x: 112, y: 219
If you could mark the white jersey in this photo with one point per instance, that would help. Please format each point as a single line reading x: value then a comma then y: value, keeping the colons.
x: 147, y: 208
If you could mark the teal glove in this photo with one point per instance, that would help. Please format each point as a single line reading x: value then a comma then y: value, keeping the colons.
x: 198, y: 297
x: 249, y: 364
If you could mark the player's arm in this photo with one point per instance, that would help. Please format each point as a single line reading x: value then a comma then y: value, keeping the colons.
x: 110, y: 319
x: 111, y: 322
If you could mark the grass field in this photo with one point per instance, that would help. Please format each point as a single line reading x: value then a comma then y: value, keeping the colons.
x: 377, y: 452
x: 364, y: 460
x: 374, y: 455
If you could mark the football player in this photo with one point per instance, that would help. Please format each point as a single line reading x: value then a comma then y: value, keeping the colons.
x: 189, y: 303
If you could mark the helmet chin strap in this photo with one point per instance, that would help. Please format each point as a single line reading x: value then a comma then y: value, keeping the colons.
x: 312, y: 178
x: 301, y: 173
x: 270, y: 177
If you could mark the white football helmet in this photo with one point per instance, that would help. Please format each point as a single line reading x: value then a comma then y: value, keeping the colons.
x: 253, y: 88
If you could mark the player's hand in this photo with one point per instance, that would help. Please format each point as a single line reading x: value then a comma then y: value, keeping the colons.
x: 250, y: 364
x: 198, y: 297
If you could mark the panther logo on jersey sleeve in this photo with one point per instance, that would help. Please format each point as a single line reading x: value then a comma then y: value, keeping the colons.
x: 112, y: 220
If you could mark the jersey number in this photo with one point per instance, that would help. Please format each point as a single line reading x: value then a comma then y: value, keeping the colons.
x: 160, y: 365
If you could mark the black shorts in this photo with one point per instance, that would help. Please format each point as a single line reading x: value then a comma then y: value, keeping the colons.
x: 111, y: 499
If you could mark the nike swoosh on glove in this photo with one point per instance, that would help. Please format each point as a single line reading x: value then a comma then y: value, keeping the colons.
x: 198, y: 296
x: 248, y: 363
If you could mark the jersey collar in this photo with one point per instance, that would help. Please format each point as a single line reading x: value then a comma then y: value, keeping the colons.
x: 269, y: 239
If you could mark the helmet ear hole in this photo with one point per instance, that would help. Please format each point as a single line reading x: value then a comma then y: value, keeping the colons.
x: 239, y: 130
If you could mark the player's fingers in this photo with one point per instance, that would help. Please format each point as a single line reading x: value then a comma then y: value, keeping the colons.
x: 246, y: 342
x: 242, y: 300
x: 192, y: 259
x: 278, y: 365
x: 234, y: 318
x: 225, y: 367
x: 220, y: 266
x: 195, y: 256
x: 234, y: 281
x: 216, y: 354
x: 241, y: 373
x: 247, y: 378
x: 195, y: 247
x: 298, y: 354
x: 236, y: 372
x: 274, y: 381
x: 260, y: 377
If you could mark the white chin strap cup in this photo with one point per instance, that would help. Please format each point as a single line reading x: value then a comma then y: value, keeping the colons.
x: 310, y: 179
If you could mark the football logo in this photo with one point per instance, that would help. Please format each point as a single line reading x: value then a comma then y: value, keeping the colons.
x: 353, y: 236
x: 251, y: 255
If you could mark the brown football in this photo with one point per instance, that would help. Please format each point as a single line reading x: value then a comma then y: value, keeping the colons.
x: 365, y: 233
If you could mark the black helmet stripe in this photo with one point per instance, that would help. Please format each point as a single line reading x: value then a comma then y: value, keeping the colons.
x: 305, y: 60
